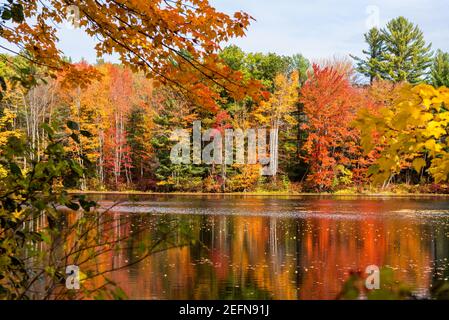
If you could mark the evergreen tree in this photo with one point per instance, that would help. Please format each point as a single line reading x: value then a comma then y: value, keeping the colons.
x: 440, y: 69
x: 138, y: 139
x: 397, y: 53
x: 406, y: 57
x: 370, y: 66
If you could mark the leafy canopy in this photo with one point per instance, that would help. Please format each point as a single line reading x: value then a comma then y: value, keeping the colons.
x: 175, y: 42
x: 414, y: 129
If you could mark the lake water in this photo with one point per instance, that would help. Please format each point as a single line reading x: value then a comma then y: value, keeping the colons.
x: 275, y: 247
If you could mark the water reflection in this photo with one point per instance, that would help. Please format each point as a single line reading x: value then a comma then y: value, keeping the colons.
x: 278, y: 248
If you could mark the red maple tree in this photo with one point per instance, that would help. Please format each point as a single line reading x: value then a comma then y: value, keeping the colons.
x: 330, y: 104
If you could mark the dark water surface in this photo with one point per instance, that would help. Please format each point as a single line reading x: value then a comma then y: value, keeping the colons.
x: 278, y: 247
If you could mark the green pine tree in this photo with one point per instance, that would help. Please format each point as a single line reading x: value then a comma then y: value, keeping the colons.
x: 137, y: 138
x: 440, y: 69
x: 370, y: 66
x: 397, y: 53
x: 406, y: 56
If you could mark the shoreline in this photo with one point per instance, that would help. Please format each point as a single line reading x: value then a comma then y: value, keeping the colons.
x: 267, y: 194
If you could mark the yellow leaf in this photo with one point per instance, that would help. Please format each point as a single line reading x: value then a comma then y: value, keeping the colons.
x: 418, y: 164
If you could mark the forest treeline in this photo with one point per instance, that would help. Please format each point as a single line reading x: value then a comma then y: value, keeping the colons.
x: 379, y: 124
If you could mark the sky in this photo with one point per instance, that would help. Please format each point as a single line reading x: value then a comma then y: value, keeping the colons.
x: 317, y: 29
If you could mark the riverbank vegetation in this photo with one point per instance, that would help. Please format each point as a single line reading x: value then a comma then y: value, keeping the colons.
x: 380, y: 126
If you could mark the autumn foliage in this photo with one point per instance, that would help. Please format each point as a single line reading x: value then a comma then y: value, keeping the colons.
x: 332, y: 132
x: 174, y: 42
x: 330, y: 104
